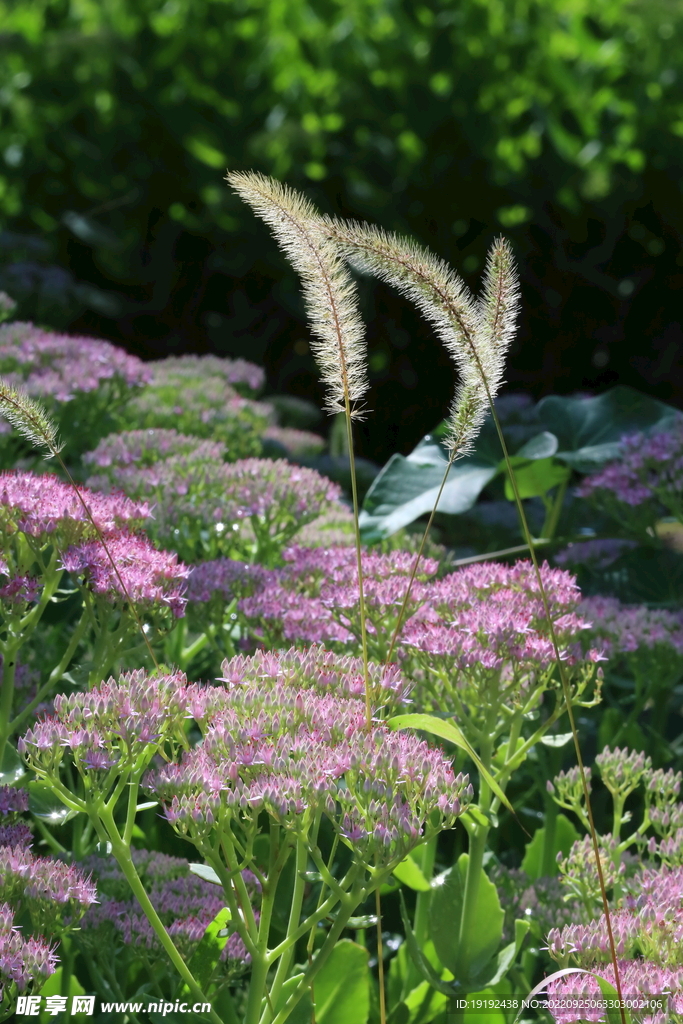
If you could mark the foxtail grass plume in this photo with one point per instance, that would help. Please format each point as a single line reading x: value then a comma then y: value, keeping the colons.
x: 29, y: 419
x: 329, y: 291
x: 476, y: 333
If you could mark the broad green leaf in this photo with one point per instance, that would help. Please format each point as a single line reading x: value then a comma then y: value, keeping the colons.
x: 483, y: 942
x: 589, y: 429
x: 409, y: 873
x: 560, y: 842
x: 46, y: 805
x: 54, y: 987
x: 541, y: 446
x: 498, y: 967
x: 341, y: 988
x: 206, y: 872
x: 610, y: 994
x: 447, y: 730
x: 208, y: 952
x: 535, y: 478
x: 422, y: 1005
x: 407, y: 487
x: 12, y: 767
x: 428, y: 972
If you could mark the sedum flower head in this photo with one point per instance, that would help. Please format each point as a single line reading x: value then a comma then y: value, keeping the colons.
x: 295, y: 442
x: 43, y: 506
x: 623, y: 629
x: 144, y: 448
x: 491, y: 616
x: 12, y: 801
x: 579, y: 872
x: 283, y: 737
x: 25, y: 964
x: 598, y: 553
x: 314, y: 598
x: 622, y: 770
x: 646, y: 479
x: 52, y: 365
x: 649, y: 942
x: 193, y: 395
x: 185, y: 903
x: 54, y: 893
x: 147, y: 577
x: 201, y: 502
x: 247, y: 378
x: 111, y: 727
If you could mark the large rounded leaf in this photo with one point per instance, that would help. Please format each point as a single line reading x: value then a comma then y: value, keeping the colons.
x: 444, y: 921
x: 589, y: 429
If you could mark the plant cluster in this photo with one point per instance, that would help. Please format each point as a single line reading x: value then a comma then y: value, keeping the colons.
x: 203, y: 658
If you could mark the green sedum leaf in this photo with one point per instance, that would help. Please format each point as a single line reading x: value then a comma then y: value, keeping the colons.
x: 468, y: 967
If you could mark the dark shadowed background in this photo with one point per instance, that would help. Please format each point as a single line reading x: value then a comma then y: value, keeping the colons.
x: 558, y: 122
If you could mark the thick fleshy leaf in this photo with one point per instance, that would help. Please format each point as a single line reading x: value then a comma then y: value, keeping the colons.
x: 469, y: 965
x: 46, y: 805
x: 589, y: 429
x: 409, y: 873
x: 536, y: 478
x: 207, y: 954
x: 407, y: 487
x: 428, y: 972
x: 341, y: 987
x: 12, y: 767
x: 540, y: 861
x: 206, y: 872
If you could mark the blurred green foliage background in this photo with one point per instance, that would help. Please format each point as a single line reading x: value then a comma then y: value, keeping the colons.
x: 559, y: 122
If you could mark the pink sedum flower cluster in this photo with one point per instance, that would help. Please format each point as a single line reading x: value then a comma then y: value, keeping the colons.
x: 24, y: 963
x: 47, y: 511
x: 282, y: 734
x: 185, y: 903
x: 649, y: 941
x: 314, y: 598
x: 49, y: 364
x: 145, y: 576
x: 623, y: 628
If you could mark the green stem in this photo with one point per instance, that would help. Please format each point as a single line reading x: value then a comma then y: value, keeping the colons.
x: 56, y: 674
x: 294, y: 918
x: 349, y: 904
x: 124, y: 860
x: 359, y: 563
x: 478, y: 835
x: 9, y: 668
x: 401, y: 614
x: 424, y: 899
x: 553, y: 516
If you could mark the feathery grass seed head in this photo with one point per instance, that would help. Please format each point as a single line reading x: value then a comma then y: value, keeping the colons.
x: 329, y: 291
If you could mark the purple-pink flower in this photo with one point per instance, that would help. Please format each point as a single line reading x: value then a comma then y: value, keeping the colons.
x: 315, y: 597
x: 144, y: 575
x: 40, y: 504
x: 185, y: 903
x: 25, y: 963
x: 273, y: 743
x: 648, y: 476
x: 59, y: 366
